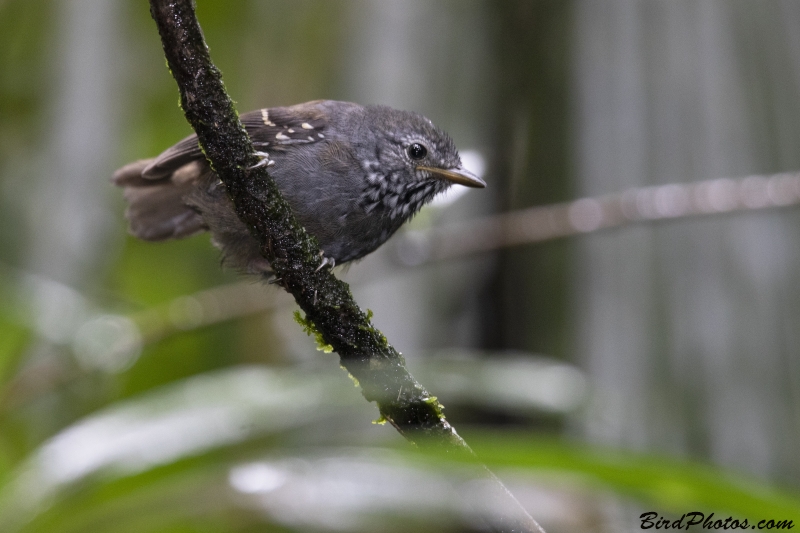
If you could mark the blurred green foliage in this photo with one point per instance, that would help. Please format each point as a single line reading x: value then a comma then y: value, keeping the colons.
x: 667, y: 484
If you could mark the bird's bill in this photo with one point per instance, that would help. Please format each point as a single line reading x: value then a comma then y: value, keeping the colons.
x: 458, y: 175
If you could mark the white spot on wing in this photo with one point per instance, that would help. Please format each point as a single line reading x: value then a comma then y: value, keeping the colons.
x: 291, y: 130
x: 281, y: 137
x: 321, y: 136
x: 265, y: 117
x: 307, y: 126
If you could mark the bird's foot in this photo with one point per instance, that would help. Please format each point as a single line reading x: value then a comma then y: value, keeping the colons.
x: 264, y: 160
x: 325, y: 261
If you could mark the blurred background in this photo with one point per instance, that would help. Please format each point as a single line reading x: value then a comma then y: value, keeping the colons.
x: 652, y: 367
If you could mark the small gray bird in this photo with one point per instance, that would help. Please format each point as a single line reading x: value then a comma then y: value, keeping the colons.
x: 352, y: 175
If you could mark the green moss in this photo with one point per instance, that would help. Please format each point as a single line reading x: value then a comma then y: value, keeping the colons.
x: 310, y: 330
x: 352, y: 377
x: 367, y: 325
x: 381, y: 420
x: 433, y: 401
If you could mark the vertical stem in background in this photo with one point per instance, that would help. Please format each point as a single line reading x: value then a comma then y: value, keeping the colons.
x: 70, y: 215
x: 526, y: 304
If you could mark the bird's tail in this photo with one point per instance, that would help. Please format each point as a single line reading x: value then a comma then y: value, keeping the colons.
x: 156, y: 207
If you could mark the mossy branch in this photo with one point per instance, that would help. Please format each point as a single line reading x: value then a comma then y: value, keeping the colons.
x: 293, y: 254
x: 330, y: 311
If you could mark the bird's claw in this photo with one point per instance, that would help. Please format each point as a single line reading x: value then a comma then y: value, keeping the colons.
x: 325, y: 261
x: 264, y: 160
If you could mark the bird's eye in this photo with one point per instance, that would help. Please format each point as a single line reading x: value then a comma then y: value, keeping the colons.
x: 417, y: 151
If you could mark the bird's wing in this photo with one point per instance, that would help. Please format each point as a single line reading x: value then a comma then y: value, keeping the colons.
x: 300, y: 124
x: 268, y: 128
x: 173, y: 158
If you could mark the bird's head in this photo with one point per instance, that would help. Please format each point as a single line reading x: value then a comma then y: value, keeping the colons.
x: 410, y: 160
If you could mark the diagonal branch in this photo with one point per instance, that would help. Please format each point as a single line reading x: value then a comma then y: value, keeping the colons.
x: 294, y: 256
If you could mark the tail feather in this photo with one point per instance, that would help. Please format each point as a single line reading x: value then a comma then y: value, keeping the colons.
x: 156, y: 207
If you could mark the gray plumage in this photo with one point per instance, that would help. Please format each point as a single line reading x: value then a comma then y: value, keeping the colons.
x: 352, y: 175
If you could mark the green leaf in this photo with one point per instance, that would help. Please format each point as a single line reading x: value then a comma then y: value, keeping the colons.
x: 670, y: 483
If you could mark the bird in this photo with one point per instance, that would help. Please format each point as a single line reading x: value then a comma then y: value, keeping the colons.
x: 352, y: 175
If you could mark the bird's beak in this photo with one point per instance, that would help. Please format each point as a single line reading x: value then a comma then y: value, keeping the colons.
x: 458, y: 175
